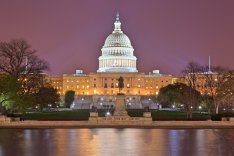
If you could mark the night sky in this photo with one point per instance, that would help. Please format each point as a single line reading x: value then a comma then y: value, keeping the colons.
x: 166, y: 34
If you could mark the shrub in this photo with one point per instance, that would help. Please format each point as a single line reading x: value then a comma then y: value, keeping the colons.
x: 216, y: 117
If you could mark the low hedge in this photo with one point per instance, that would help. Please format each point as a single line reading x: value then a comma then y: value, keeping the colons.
x: 60, y: 115
x: 218, y: 117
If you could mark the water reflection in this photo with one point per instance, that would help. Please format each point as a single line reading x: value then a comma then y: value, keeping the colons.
x: 106, y: 142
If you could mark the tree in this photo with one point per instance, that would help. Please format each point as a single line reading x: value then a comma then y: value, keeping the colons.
x: 213, y: 81
x: 8, y: 92
x: 69, y: 98
x: 207, y: 101
x: 18, y: 59
x: 24, y: 69
x: 191, y: 74
x: 168, y: 95
x: 179, y: 93
x: 225, y: 92
x: 45, y: 96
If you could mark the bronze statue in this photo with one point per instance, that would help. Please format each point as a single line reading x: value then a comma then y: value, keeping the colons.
x: 121, y: 83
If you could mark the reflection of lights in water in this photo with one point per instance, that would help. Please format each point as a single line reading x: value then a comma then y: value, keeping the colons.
x: 123, y: 141
x: 28, y: 134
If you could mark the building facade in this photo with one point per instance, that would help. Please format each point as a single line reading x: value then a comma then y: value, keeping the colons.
x: 117, y: 59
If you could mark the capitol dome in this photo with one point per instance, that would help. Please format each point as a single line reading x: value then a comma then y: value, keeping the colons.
x: 117, y: 52
x: 117, y: 40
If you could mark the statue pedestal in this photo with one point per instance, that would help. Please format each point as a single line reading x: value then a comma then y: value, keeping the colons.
x: 120, y: 116
x: 147, y: 118
x: 93, y: 117
x: 120, y: 106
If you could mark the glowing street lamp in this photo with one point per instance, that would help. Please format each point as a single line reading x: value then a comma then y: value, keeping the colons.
x: 108, y: 113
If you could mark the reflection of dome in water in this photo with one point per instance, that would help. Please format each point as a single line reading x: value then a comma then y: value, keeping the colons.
x: 117, y: 52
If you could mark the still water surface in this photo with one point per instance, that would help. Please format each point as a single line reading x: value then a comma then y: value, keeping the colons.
x: 116, y: 142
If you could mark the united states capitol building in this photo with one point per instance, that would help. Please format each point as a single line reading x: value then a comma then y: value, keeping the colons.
x: 117, y: 59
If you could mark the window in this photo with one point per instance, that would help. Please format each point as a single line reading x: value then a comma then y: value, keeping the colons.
x: 112, y: 85
x: 94, y: 85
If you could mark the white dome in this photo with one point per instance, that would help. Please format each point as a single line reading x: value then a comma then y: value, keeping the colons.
x: 117, y: 52
x: 117, y: 39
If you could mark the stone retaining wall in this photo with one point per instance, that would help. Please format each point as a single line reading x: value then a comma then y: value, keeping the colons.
x: 114, y: 124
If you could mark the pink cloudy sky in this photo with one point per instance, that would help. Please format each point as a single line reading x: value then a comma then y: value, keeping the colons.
x: 165, y: 34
